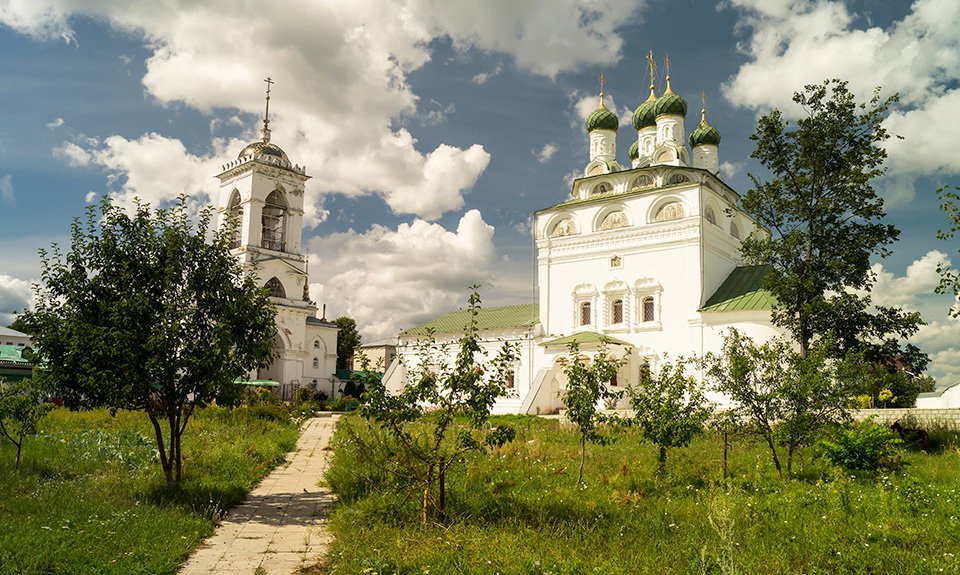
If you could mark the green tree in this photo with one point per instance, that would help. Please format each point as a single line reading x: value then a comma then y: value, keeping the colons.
x: 21, y: 409
x: 752, y: 376
x: 586, y: 391
x: 348, y: 341
x: 815, y: 394
x: 949, y: 278
x: 826, y: 220
x: 144, y: 313
x: 430, y: 440
x: 668, y: 408
x: 779, y: 395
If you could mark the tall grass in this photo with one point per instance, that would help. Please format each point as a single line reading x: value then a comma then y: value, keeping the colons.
x: 520, y: 510
x: 90, y: 496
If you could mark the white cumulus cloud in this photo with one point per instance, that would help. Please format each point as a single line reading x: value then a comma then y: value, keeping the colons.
x: 15, y: 296
x: 913, y: 291
x: 797, y: 42
x: 546, y: 152
x: 341, y: 71
x: 414, y: 271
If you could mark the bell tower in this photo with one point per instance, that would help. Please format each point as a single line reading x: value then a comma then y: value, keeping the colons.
x: 261, y: 194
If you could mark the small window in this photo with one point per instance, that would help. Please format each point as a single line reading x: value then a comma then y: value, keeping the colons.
x: 647, y: 304
x: 613, y: 381
x: 510, y: 380
x: 316, y: 363
x: 585, y: 313
x: 734, y: 230
x: 616, y: 262
x: 316, y: 344
x: 616, y: 311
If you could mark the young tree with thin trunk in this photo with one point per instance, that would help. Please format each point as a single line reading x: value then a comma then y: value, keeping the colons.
x: 753, y: 377
x: 668, y: 408
x: 826, y: 221
x: 145, y: 313
x: 587, y: 389
x: 21, y: 409
x: 421, y: 418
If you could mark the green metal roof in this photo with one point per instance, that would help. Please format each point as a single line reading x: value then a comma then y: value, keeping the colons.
x: 584, y: 338
x: 12, y: 354
x: 741, y: 291
x: 504, y: 317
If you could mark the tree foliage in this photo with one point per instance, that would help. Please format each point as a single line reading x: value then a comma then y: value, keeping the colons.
x: 144, y: 313
x: 779, y: 395
x: 668, y: 407
x: 21, y: 409
x: 826, y: 220
x: 348, y: 341
x: 587, y: 389
x: 421, y: 417
x: 950, y: 278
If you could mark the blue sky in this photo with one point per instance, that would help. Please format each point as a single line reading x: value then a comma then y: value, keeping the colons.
x: 433, y: 129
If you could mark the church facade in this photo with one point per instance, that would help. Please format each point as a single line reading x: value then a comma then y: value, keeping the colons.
x: 643, y: 261
x: 262, y: 191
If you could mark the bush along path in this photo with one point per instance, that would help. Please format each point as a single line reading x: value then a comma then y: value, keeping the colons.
x: 282, y: 523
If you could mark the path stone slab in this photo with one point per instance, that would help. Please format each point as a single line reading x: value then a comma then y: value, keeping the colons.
x: 282, y: 525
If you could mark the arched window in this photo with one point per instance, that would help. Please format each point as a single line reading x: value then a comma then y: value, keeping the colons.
x: 510, y: 379
x: 616, y: 311
x: 647, y: 307
x: 235, y: 215
x: 274, y: 222
x: 316, y: 363
x: 734, y: 230
x: 275, y: 287
x: 316, y: 344
x: 585, y: 313
x: 670, y: 211
x: 710, y: 216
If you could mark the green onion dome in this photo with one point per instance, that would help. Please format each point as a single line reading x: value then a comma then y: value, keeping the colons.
x: 670, y: 103
x: 705, y: 134
x: 644, y: 116
x: 602, y: 119
x: 634, y: 151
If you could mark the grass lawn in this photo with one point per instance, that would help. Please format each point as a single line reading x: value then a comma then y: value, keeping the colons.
x: 90, y: 496
x: 520, y: 511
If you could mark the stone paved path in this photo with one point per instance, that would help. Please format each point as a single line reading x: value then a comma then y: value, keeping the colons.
x: 282, y: 523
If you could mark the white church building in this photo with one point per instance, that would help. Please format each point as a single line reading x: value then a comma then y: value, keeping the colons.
x: 263, y: 190
x: 646, y: 257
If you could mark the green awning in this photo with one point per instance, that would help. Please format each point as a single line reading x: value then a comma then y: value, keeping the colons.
x: 585, y: 338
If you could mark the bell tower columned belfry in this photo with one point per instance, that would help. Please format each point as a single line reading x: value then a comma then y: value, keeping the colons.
x: 261, y: 194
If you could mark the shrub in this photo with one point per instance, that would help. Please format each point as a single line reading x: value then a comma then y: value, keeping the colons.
x: 302, y: 395
x: 864, y: 446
